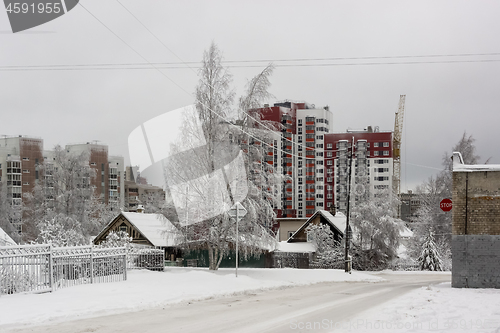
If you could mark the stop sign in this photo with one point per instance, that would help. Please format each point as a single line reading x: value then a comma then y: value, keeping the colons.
x: 445, y: 205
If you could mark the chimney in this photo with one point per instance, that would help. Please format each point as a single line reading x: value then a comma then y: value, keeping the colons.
x: 140, y: 209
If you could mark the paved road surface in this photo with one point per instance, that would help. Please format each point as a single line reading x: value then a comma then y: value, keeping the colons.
x: 282, y: 310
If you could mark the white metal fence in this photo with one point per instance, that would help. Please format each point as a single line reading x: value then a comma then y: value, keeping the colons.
x: 43, y: 268
x: 139, y: 256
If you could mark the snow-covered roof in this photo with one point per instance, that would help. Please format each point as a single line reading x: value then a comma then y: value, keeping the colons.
x: 5, y: 239
x: 155, y: 227
x: 405, y: 232
x: 338, y: 221
x: 299, y: 247
x: 458, y: 165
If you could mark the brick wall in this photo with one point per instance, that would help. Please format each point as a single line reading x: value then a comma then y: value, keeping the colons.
x: 476, y: 203
x: 476, y: 229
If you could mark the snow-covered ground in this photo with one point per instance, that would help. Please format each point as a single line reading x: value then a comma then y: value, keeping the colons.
x: 145, y: 289
x: 436, y: 308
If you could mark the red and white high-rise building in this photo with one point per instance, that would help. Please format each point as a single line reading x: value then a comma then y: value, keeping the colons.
x: 314, y: 161
x: 372, y: 165
x: 299, y: 156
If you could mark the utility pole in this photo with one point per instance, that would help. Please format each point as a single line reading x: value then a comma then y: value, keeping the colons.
x: 348, y: 232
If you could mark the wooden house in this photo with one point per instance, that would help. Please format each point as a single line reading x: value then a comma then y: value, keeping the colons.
x: 145, y: 229
x: 5, y: 239
x: 336, y: 223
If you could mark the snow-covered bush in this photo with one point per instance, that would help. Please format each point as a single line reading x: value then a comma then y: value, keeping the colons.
x: 60, y: 230
x: 404, y: 264
x: 15, y: 281
x: 369, y: 260
x: 116, y: 239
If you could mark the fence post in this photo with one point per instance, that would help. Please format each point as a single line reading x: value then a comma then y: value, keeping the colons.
x: 125, y: 265
x: 51, y: 268
x: 91, y: 264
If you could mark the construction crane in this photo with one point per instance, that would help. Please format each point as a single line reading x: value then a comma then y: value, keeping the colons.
x: 396, y: 149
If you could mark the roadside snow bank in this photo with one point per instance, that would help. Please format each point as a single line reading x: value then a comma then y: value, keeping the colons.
x: 146, y: 289
x: 437, y: 308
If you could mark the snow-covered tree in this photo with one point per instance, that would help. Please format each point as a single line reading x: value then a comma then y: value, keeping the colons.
x: 374, y: 226
x: 329, y: 252
x: 65, y: 193
x: 61, y: 230
x: 321, y: 236
x: 431, y: 192
x: 202, y: 199
x: 429, y: 258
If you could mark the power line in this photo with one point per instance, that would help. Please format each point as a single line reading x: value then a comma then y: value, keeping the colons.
x: 59, y: 67
x: 245, y: 111
x: 158, y: 66
x: 129, y: 46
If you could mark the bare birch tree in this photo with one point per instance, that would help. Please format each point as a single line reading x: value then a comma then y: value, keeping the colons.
x: 203, y: 177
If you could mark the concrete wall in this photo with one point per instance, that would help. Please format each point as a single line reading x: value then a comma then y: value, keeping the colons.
x: 476, y: 229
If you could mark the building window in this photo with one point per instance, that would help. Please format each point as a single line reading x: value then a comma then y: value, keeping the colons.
x: 329, y: 179
x: 386, y: 144
x: 319, y: 145
x: 26, y: 158
x: 329, y: 162
x: 375, y: 153
x: 309, y: 128
x: 329, y: 146
x: 300, y: 130
x: 309, y: 118
x: 319, y: 154
x: 329, y: 196
x: 386, y: 153
x: 319, y: 137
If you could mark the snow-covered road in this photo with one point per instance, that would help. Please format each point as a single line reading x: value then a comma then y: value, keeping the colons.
x: 327, y: 306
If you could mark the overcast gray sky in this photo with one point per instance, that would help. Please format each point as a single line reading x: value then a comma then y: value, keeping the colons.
x: 445, y: 95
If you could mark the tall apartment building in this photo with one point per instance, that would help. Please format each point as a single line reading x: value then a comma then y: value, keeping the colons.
x: 23, y: 163
x: 372, y: 164
x: 109, y: 181
x: 314, y: 161
x: 19, y: 169
x: 138, y: 191
x: 298, y: 154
